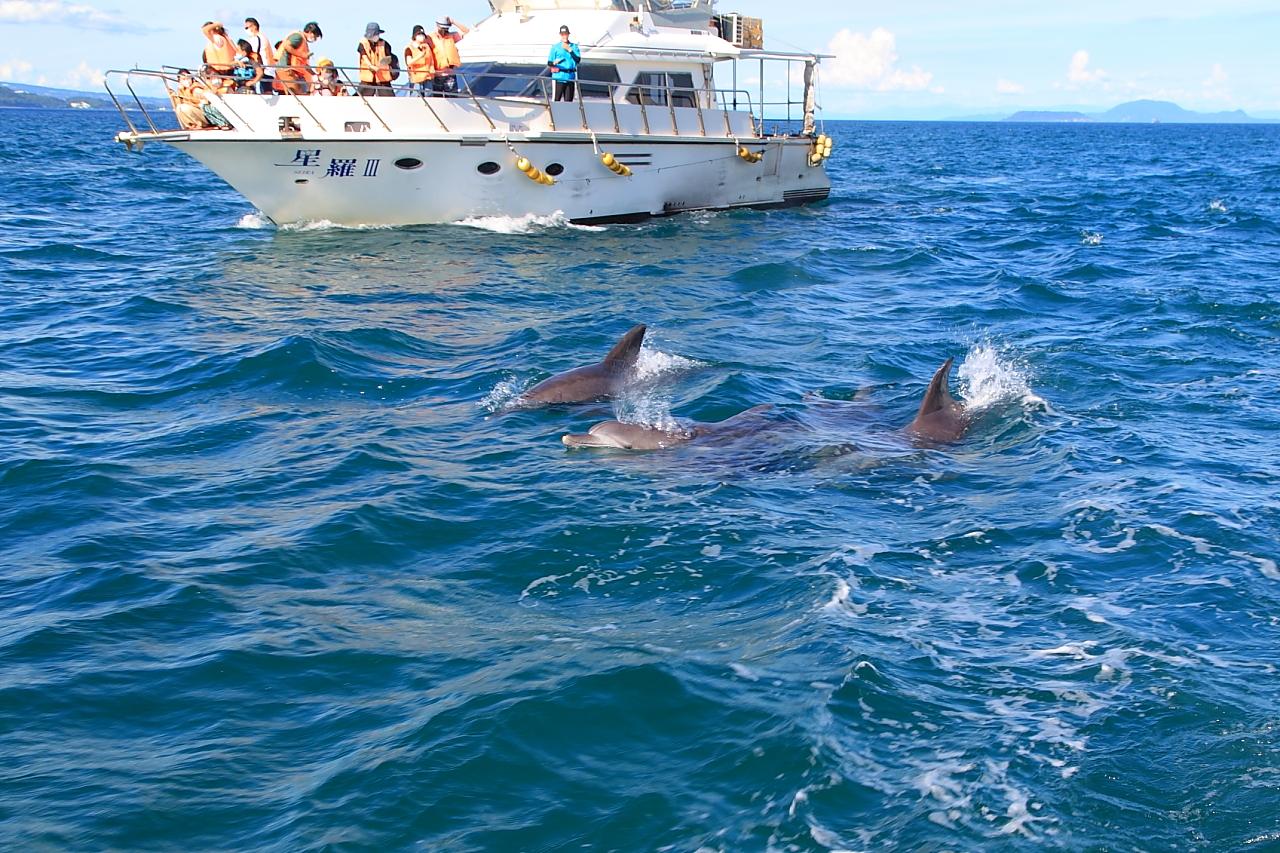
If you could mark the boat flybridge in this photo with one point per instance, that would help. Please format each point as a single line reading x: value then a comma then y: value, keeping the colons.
x: 656, y: 128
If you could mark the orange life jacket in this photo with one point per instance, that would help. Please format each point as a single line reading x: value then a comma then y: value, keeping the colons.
x: 221, y: 58
x: 421, y: 62
x: 371, y: 70
x: 445, y: 49
x: 297, y: 59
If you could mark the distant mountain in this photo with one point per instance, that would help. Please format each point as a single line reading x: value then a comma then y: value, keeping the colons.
x: 27, y: 96
x: 1047, y: 115
x: 1139, y: 112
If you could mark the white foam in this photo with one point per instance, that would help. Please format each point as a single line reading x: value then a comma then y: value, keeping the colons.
x: 652, y: 363
x: 989, y: 376
x: 328, y: 225
x: 502, y: 395
x: 523, y: 224
x: 255, y: 221
x: 1217, y: 206
x: 1091, y: 238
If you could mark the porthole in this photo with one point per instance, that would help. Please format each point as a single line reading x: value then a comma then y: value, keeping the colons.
x: 554, y: 169
x: 408, y: 163
x: 488, y: 167
x: 300, y: 180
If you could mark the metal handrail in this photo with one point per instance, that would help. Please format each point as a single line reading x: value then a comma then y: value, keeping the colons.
x: 641, y: 95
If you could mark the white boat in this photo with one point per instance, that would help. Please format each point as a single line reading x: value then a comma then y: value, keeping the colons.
x: 656, y: 128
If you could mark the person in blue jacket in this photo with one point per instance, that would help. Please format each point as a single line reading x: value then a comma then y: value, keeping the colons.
x: 563, y: 62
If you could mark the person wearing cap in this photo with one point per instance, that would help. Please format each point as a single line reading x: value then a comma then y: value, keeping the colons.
x: 564, y: 61
x: 376, y: 68
x: 293, y: 59
x: 327, y: 82
x: 444, y: 47
x: 420, y: 60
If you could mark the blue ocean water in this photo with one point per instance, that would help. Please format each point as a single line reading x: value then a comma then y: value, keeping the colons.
x: 282, y: 570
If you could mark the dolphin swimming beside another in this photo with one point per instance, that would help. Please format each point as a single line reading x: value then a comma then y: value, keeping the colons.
x: 940, y: 417
x: 599, y: 381
x: 624, y: 436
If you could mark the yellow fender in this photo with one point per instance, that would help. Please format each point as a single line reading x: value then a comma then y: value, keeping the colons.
x: 532, y: 173
x: 611, y: 163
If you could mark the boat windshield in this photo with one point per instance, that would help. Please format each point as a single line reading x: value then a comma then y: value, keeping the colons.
x: 502, y: 79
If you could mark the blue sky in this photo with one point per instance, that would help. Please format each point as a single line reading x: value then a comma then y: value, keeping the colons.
x: 916, y: 58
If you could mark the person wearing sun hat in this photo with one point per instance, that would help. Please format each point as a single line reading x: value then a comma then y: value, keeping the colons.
x: 444, y: 46
x: 374, y: 55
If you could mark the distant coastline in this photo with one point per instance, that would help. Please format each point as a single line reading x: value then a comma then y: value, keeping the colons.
x: 1139, y: 112
x: 21, y: 96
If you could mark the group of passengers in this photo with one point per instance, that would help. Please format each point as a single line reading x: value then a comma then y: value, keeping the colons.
x: 253, y: 64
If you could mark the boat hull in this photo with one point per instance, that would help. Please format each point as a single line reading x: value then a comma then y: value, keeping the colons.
x: 408, y: 182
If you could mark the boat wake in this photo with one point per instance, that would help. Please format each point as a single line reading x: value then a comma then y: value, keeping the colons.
x: 524, y: 224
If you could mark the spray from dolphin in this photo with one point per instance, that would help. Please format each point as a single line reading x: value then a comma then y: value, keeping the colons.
x: 600, y: 381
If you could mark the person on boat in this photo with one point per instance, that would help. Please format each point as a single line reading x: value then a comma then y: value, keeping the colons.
x: 247, y: 71
x: 188, y: 98
x: 328, y: 83
x: 221, y: 51
x: 564, y: 61
x: 376, y: 73
x: 420, y: 60
x: 215, y: 83
x: 444, y: 47
x: 261, y: 46
x: 293, y: 60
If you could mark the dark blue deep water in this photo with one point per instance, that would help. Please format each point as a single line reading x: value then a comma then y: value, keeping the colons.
x: 281, y: 571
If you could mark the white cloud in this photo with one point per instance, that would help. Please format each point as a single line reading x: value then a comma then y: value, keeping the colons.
x: 870, y: 62
x: 1217, y: 77
x: 83, y: 77
x: 16, y: 71
x: 1078, y: 71
x: 1008, y: 87
x: 79, y: 15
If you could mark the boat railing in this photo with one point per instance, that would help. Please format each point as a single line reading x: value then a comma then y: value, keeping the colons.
x: 713, y: 106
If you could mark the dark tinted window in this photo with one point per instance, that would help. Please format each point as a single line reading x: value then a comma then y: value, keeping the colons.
x: 593, y: 80
x: 653, y: 87
x: 502, y: 80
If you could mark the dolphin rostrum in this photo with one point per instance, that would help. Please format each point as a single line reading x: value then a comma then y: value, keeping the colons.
x: 624, y: 436
x: 598, y: 381
x: 940, y: 418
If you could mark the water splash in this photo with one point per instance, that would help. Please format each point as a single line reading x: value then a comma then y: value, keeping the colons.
x: 328, y: 225
x: 652, y: 364
x: 1217, y: 206
x: 1091, y: 238
x: 989, y: 377
x: 503, y: 395
x: 255, y: 221
x: 524, y: 224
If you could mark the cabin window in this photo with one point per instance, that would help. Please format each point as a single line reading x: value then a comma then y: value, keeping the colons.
x: 503, y: 79
x: 653, y: 86
x: 594, y: 80
x: 408, y: 163
x: 488, y: 168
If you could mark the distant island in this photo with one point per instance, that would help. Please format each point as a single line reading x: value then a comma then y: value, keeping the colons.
x: 22, y: 96
x: 1139, y: 112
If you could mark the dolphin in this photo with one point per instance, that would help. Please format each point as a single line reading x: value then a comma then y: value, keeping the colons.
x: 624, y: 436
x: 940, y: 417
x: 598, y: 381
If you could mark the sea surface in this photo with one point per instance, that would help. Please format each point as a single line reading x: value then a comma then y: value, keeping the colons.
x: 283, y: 569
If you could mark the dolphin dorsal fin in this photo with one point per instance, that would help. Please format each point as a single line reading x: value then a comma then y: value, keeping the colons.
x: 937, y: 397
x: 624, y: 352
